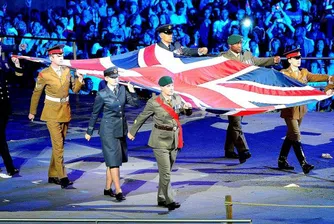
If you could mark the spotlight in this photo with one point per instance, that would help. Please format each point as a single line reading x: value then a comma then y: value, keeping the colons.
x: 247, y: 22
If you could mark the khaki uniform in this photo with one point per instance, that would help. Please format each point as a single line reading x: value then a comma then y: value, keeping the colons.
x: 235, y: 136
x: 293, y: 116
x: 328, y: 87
x: 163, y: 139
x: 56, y: 114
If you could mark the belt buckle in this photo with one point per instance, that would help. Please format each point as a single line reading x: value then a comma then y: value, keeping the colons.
x: 174, y: 128
x: 63, y: 100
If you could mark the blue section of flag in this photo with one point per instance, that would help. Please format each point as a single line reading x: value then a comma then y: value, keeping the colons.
x: 127, y: 61
x: 268, y: 77
x: 260, y: 104
x: 189, y: 60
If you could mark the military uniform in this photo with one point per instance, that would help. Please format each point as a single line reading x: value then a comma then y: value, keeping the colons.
x: 293, y: 117
x: 5, y: 111
x: 56, y: 111
x: 328, y: 87
x: 113, y: 128
x: 235, y: 136
x: 175, y: 47
x: 185, y: 51
x: 303, y: 76
x: 164, y: 139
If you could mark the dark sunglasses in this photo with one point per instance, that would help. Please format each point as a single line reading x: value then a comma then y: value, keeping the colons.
x: 297, y: 57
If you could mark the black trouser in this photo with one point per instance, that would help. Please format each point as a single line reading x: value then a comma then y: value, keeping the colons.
x: 235, y: 136
x: 4, y: 151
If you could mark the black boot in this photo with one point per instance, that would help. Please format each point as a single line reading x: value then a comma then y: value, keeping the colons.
x: 65, y: 182
x: 297, y: 146
x: 282, y: 159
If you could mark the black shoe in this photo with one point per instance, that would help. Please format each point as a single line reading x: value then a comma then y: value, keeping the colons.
x: 173, y: 206
x: 120, y: 197
x: 109, y: 192
x: 162, y: 204
x: 284, y: 165
x: 244, y: 156
x: 231, y: 155
x: 65, y: 182
x: 13, y: 172
x: 54, y: 180
x: 307, y: 168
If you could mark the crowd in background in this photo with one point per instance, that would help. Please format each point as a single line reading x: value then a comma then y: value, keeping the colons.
x: 109, y: 27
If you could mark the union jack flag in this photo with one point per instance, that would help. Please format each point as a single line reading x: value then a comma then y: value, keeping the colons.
x: 215, y: 84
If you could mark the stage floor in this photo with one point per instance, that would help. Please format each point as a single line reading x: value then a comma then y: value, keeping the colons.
x: 201, y: 177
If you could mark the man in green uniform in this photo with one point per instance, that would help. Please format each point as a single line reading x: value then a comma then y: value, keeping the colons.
x: 235, y: 136
x: 166, y: 136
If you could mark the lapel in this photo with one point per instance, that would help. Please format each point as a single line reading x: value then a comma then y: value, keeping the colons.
x: 163, y: 46
x: 231, y: 55
x: 61, y: 79
x: 55, y: 76
x: 171, y: 46
x: 174, y: 101
x: 111, y: 92
x: 118, y: 91
x: 296, y: 75
x: 63, y: 76
x: 165, y: 101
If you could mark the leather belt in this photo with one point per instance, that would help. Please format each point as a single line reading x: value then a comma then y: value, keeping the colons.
x: 55, y: 99
x: 165, y: 128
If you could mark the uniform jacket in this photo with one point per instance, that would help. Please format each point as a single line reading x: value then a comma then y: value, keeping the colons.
x: 49, y: 81
x: 328, y: 87
x: 113, y: 122
x: 303, y: 76
x: 5, y: 70
x: 248, y: 58
x: 4, y: 92
x: 161, y: 139
x: 193, y: 52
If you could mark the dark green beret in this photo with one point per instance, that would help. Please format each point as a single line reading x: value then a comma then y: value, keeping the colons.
x: 111, y: 72
x: 234, y: 39
x: 165, y: 80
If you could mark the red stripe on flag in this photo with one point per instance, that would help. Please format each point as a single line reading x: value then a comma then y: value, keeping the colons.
x: 198, y: 76
x: 251, y: 111
x: 149, y: 56
x: 210, y: 97
x: 189, y: 100
x: 151, y: 76
x: 272, y: 92
x: 88, y: 64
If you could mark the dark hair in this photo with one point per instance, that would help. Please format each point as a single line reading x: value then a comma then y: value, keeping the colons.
x: 179, y: 5
x: 86, y: 80
x: 60, y: 24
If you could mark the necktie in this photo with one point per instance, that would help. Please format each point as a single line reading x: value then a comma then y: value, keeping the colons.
x: 115, y: 91
x: 169, y: 102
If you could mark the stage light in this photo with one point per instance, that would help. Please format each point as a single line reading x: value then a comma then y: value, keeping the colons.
x: 247, y: 22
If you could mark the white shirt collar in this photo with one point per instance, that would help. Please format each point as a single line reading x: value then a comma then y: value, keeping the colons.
x: 235, y: 54
x: 58, y: 71
x: 112, y: 87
